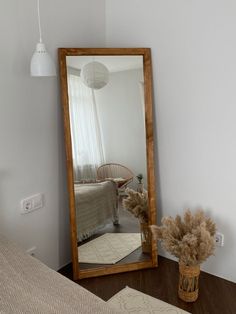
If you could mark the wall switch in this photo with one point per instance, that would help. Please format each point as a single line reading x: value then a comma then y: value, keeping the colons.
x: 31, y: 203
x: 219, y: 239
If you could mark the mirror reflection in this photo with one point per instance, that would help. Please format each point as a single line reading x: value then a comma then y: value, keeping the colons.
x: 107, y: 124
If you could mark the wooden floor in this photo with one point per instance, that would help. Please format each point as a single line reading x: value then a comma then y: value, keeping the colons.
x: 216, y: 295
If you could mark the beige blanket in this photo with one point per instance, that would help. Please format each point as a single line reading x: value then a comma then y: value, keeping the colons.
x: 28, y: 286
x: 96, y: 205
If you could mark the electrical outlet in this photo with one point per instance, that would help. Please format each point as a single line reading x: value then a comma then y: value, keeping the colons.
x: 31, y: 203
x: 219, y: 239
x: 27, y: 205
x: 32, y: 251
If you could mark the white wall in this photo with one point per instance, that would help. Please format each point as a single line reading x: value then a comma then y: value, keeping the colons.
x: 31, y: 130
x: 194, y: 65
x: 194, y: 77
x: 121, y: 116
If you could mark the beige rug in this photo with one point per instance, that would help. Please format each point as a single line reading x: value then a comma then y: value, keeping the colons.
x: 132, y: 301
x: 109, y: 248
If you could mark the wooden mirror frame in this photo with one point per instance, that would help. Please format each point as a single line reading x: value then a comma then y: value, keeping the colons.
x: 147, y: 70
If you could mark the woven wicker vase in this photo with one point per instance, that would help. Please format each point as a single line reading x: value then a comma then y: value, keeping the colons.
x: 188, y: 282
x: 146, y: 238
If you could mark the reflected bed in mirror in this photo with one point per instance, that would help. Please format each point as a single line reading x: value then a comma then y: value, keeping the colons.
x: 107, y: 102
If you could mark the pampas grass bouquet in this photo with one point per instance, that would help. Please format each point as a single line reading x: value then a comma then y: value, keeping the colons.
x: 192, y: 241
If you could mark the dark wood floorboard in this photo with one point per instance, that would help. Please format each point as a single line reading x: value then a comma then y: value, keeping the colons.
x: 216, y: 295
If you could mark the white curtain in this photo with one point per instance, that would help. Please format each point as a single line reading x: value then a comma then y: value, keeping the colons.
x: 141, y: 89
x: 86, y: 137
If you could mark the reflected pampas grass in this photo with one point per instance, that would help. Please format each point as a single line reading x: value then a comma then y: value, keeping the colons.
x: 137, y: 204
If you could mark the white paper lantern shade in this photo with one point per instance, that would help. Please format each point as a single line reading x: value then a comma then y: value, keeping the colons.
x: 94, y: 75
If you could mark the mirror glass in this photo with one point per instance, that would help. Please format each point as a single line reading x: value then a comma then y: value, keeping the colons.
x: 108, y: 123
x: 107, y: 126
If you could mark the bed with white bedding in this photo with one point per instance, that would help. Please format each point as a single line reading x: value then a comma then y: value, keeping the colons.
x: 96, y: 204
x: 28, y: 286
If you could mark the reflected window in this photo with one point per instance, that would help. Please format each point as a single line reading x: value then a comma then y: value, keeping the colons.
x: 85, y: 129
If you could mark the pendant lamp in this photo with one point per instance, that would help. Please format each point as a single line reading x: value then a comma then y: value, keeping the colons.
x: 41, y: 62
x: 95, y: 75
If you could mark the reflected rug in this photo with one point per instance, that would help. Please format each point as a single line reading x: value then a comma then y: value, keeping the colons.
x: 132, y: 301
x: 109, y: 248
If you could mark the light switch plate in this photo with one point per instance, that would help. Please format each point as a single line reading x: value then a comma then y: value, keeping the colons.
x: 32, y: 203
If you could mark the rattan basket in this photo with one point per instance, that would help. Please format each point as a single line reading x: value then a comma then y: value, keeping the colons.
x: 188, y: 282
x: 146, y: 237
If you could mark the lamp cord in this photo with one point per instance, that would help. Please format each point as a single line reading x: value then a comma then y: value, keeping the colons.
x: 39, y: 23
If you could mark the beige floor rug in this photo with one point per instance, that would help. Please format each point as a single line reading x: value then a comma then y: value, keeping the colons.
x: 132, y: 301
x: 109, y: 248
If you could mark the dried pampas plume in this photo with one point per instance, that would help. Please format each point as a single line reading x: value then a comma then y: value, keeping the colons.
x: 191, y: 239
x: 137, y: 204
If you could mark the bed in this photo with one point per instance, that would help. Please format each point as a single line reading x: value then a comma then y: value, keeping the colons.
x: 96, y: 205
x: 28, y: 286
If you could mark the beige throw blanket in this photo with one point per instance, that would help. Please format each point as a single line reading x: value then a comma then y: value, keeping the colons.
x: 96, y: 205
x: 28, y: 286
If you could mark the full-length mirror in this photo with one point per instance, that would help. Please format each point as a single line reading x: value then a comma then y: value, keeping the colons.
x: 107, y: 102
